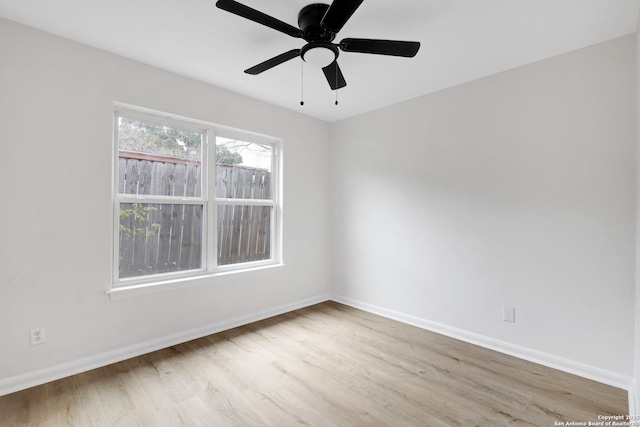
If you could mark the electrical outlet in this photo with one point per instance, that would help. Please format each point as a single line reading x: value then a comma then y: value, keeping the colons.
x: 509, y: 314
x: 37, y: 336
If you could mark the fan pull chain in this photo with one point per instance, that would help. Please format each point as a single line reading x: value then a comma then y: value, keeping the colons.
x: 336, y: 84
x: 301, y: 81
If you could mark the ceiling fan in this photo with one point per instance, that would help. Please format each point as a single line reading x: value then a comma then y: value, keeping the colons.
x: 319, y: 23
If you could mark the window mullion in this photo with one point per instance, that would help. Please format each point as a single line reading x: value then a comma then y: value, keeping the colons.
x: 212, y: 208
x: 167, y: 200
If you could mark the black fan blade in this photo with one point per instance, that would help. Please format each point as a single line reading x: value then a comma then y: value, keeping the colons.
x: 334, y: 76
x: 381, y: 47
x: 339, y: 13
x: 270, y: 63
x: 259, y: 17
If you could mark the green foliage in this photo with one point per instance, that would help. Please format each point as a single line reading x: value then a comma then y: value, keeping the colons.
x: 139, y: 226
x: 158, y: 139
x: 154, y: 138
x: 224, y: 156
x: 140, y: 214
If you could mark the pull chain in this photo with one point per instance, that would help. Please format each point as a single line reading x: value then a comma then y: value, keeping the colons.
x: 336, y: 84
x: 301, y: 81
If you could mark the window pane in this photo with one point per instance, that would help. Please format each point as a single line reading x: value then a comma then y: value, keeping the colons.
x: 158, y: 160
x: 159, y: 238
x: 244, y: 233
x: 243, y: 169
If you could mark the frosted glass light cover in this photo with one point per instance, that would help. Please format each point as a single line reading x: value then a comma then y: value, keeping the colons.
x: 319, y: 56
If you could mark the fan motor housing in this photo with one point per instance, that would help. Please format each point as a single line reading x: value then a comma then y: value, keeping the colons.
x: 309, y: 20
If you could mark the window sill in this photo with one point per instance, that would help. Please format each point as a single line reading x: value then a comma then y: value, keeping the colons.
x: 187, y: 282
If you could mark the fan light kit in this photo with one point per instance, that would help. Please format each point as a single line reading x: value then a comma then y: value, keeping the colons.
x: 318, y: 25
x: 319, y: 54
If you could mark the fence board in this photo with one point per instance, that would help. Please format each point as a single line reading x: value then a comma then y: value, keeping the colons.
x: 153, y: 236
x: 144, y: 178
x: 168, y: 178
x: 172, y: 244
x: 126, y: 253
x: 157, y: 180
x: 179, y: 180
x: 262, y: 238
x: 224, y: 234
x: 192, y: 184
x: 131, y: 177
x: 190, y: 243
x: 122, y: 168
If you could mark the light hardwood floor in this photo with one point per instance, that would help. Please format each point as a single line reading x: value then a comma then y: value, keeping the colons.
x: 326, y: 365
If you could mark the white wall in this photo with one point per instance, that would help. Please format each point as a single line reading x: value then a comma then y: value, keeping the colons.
x: 514, y: 190
x: 56, y: 106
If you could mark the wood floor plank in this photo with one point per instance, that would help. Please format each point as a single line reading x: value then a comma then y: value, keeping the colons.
x: 326, y: 365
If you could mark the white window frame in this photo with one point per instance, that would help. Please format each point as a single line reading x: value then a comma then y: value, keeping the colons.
x: 152, y: 283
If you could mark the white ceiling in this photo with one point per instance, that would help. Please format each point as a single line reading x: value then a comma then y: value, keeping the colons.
x: 462, y: 40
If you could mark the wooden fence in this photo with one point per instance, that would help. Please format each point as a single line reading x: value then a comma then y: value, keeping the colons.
x: 166, y: 237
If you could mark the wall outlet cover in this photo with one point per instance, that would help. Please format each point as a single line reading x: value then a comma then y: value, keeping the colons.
x: 37, y: 336
x: 509, y: 314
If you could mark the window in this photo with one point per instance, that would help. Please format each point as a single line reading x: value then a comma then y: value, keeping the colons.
x: 191, y: 198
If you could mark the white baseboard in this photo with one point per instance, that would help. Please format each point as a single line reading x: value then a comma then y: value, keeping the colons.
x: 31, y: 379
x: 576, y: 368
